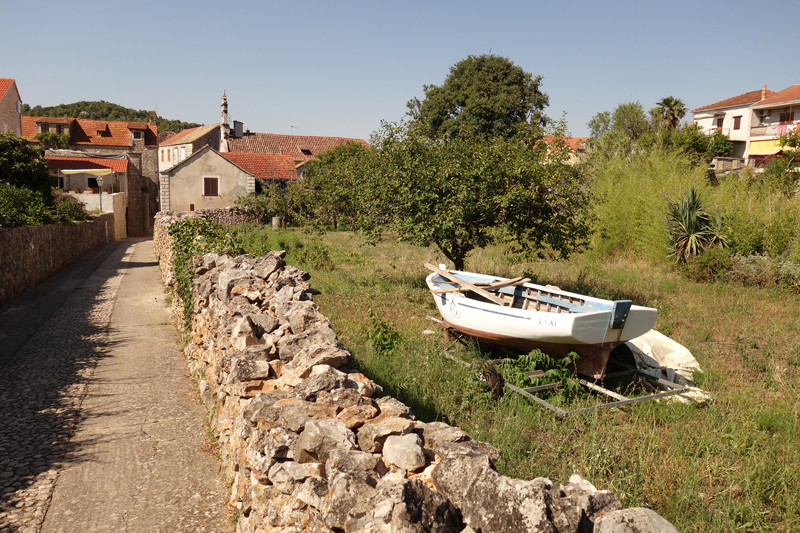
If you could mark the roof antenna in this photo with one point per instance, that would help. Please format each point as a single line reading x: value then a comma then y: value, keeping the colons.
x: 292, y: 127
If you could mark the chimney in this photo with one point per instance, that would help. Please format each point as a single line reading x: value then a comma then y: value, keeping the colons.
x: 763, y: 92
x: 152, y: 118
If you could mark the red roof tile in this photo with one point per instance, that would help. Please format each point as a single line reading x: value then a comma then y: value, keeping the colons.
x: 745, y: 99
x: 85, y: 132
x: 81, y: 163
x: 792, y: 94
x: 189, y: 135
x: 299, y: 147
x: 573, y: 143
x: 5, y: 84
x: 265, y: 166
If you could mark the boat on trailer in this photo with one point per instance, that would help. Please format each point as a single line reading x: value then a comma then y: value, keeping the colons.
x: 526, y: 316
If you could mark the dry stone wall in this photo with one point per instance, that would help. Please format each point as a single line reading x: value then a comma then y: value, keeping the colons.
x: 31, y: 254
x: 309, y: 444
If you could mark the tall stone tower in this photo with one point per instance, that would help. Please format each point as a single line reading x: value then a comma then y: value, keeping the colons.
x: 224, y: 127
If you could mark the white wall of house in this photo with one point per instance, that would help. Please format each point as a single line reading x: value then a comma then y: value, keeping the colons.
x: 729, y: 126
x: 112, y: 203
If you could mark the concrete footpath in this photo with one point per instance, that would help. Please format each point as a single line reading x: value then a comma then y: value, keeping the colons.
x: 100, y: 429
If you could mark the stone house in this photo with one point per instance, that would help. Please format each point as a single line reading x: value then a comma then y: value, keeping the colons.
x: 209, y: 179
x: 103, y: 140
x: 10, y: 104
x: 182, y: 145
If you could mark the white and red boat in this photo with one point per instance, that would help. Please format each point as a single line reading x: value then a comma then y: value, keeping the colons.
x: 526, y: 316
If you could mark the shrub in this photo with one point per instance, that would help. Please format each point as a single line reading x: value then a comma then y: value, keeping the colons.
x: 68, y: 209
x: 689, y: 226
x: 194, y: 237
x: 711, y: 265
x: 20, y: 206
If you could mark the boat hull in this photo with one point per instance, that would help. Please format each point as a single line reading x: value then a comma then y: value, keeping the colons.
x: 585, y: 328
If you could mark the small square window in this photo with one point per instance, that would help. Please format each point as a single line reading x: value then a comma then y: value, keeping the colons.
x: 210, y: 186
x: 137, y: 134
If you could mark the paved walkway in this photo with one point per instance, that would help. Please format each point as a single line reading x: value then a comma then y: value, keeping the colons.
x: 100, y: 429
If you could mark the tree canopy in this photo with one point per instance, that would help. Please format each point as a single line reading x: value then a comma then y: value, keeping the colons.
x: 22, y: 164
x: 102, y: 110
x: 458, y: 193
x: 484, y: 95
x: 672, y: 110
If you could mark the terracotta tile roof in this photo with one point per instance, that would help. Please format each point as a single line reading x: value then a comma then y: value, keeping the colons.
x: 85, y: 132
x: 573, y: 143
x: 745, y: 99
x: 792, y: 94
x: 79, y: 163
x: 265, y: 166
x: 5, y: 85
x: 189, y: 135
x: 300, y: 147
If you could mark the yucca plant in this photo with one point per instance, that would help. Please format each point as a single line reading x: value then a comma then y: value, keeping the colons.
x: 691, y: 229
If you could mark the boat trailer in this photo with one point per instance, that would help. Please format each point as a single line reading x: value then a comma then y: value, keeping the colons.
x: 619, y: 400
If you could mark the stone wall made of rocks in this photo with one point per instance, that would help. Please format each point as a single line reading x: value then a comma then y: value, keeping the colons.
x: 310, y: 444
x: 31, y: 254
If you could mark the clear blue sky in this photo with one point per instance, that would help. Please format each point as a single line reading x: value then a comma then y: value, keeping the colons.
x: 339, y: 68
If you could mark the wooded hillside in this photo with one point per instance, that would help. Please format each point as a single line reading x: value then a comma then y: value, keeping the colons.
x: 102, y: 110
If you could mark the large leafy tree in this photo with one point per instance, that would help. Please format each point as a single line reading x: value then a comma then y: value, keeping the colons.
x: 672, y: 110
x: 464, y: 192
x: 22, y: 164
x: 483, y: 95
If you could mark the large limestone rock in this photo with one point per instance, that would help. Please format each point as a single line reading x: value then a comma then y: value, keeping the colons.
x: 633, y: 520
x: 404, y: 451
x: 407, y: 506
x: 320, y: 437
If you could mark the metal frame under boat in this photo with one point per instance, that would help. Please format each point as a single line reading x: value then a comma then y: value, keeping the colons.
x: 619, y: 400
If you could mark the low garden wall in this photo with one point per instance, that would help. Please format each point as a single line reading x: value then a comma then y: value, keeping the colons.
x: 310, y: 444
x: 31, y: 254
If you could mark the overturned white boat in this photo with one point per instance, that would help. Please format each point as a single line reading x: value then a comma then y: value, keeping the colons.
x: 526, y: 316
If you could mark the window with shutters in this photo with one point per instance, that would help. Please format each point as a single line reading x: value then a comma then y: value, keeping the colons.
x: 210, y: 186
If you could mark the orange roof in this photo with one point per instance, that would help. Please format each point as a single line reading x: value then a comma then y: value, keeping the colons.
x: 5, y: 85
x: 265, y: 166
x: 300, y: 147
x: 573, y: 143
x: 792, y: 94
x: 80, y: 163
x: 94, y: 132
x: 189, y: 135
x: 745, y: 99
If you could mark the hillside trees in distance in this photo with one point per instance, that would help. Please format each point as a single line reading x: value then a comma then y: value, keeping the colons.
x: 101, y: 110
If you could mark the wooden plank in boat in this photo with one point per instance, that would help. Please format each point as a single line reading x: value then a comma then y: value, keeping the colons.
x: 477, y: 290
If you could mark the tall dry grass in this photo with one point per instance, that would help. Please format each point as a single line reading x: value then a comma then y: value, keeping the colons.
x: 733, y: 465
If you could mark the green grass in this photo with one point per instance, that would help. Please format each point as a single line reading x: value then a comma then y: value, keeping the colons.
x: 733, y: 465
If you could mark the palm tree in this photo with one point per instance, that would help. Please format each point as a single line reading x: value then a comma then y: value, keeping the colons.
x: 673, y: 110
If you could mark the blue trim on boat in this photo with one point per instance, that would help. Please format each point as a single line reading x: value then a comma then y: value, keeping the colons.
x: 491, y: 311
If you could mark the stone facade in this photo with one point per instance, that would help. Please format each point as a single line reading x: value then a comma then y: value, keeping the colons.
x: 181, y: 146
x: 9, y: 107
x: 31, y: 254
x: 312, y: 445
